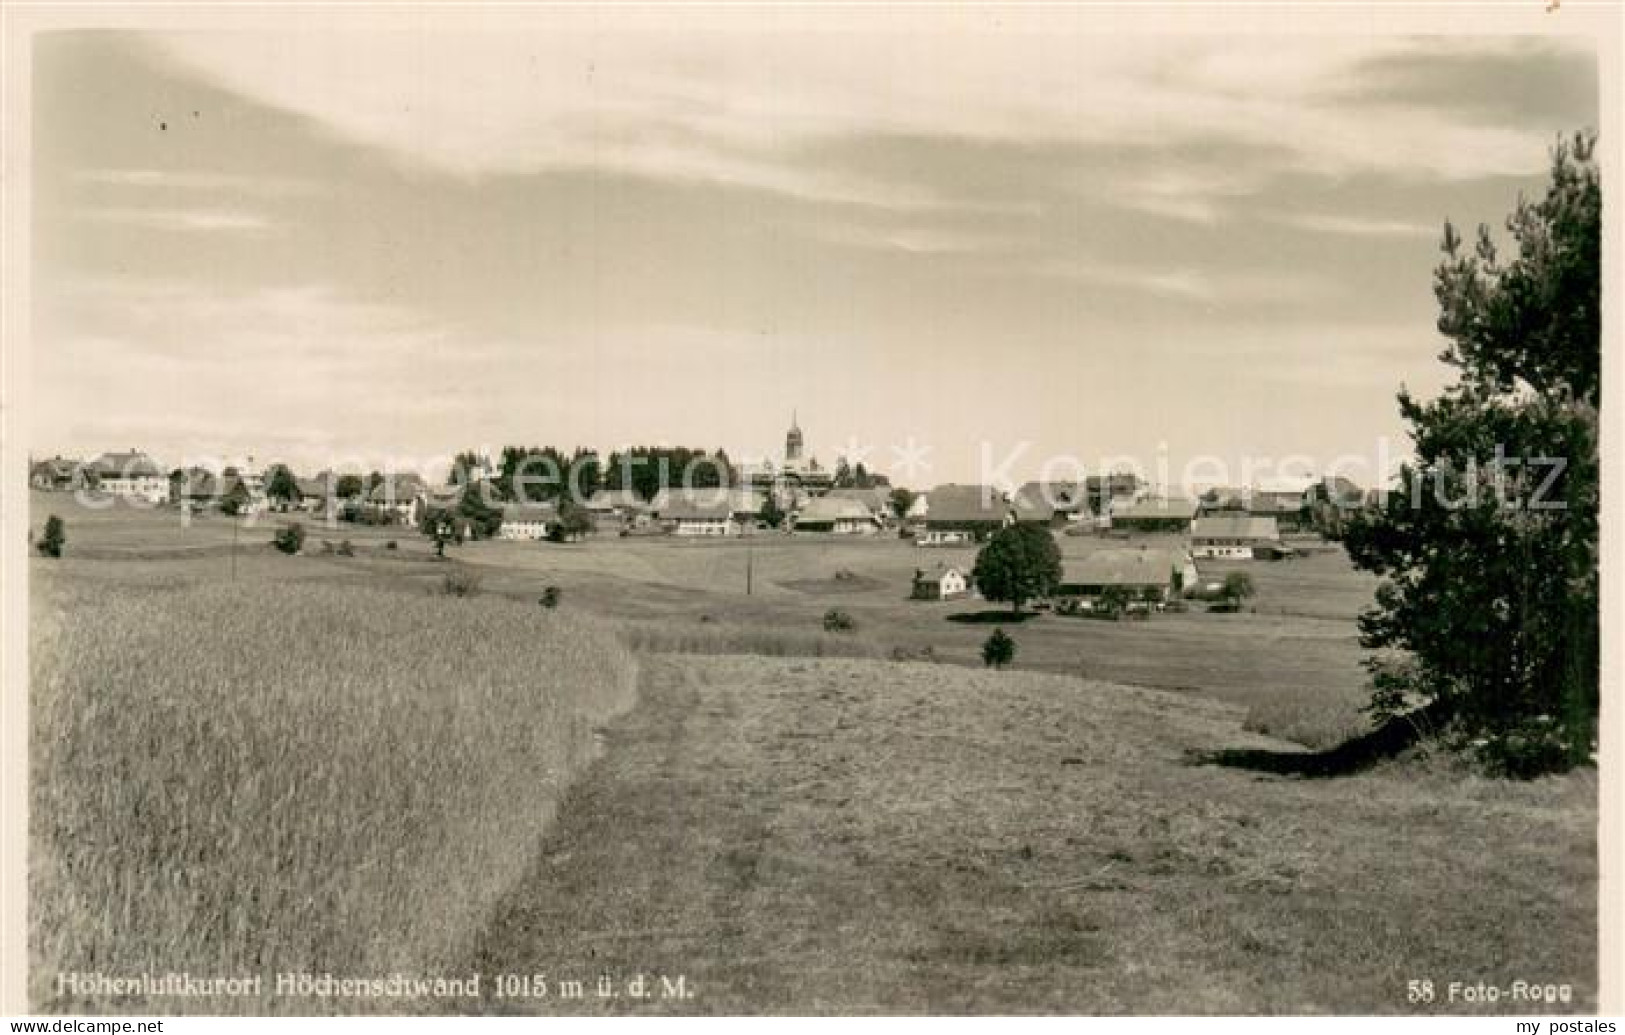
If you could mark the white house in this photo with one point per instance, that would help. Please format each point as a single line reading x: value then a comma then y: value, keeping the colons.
x: 700, y: 513
x: 527, y: 520
x: 944, y: 582
x: 1234, y: 536
x: 131, y: 476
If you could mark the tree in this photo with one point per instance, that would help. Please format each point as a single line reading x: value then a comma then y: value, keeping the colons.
x: 236, y: 497
x: 843, y: 474
x: 772, y: 514
x: 53, y: 537
x: 483, y: 519
x: 1238, y: 586
x: 348, y: 486
x: 999, y: 650
x: 290, y: 539
x: 1020, y: 563
x: 281, y: 485
x: 1113, y: 600
x: 1488, y: 545
x: 901, y: 500
x: 573, y: 523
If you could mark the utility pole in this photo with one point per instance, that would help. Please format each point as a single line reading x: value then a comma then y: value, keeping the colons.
x: 750, y: 558
x: 235, y: 521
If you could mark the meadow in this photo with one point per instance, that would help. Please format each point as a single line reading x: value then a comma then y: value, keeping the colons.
x: 244, y: 759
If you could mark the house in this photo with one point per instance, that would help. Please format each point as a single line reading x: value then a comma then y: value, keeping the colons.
x: 1101, y: 491
x: 1285, y: 507
x: 1138, y: 571
x: 131, y: 475
x: 944, y: 582
x: 700, y: 512
x: 1235, y: 536
x: 963, y: 514
x: 1161, y: 514
x: 55, y: 475
x: 1051, y: 503
x: 397, y: 495
x: 527, y: 520
x: 876, y: 499
x: 838, y: 515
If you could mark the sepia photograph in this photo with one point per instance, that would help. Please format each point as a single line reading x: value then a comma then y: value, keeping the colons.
x: 779, y: 511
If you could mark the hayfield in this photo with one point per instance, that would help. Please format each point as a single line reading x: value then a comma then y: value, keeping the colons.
x: 825, y: 836
x: 243, y: 779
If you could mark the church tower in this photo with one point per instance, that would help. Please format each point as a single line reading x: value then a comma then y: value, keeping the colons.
x: 793, y: 444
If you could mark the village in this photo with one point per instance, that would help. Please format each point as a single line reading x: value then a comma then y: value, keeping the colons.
x: 1150, y: 543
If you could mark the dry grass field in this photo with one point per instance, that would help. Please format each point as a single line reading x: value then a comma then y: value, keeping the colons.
x: 245, y: 778
x: 835, y: 836
x: 243, y: 759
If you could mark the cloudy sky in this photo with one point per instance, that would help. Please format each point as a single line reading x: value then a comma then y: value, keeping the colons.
x: 328, y: 245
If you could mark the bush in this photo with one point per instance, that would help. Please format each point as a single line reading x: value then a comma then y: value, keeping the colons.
x: 345, y: 549
x: 836, y: 620
x: 392, y: 545
x: 53, y: 538
x: 550, y: 597
x: 460, y: 584
x: 999, y: 650
x: 290, y: 539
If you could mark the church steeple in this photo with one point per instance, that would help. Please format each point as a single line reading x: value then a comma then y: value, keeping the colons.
x: 792, y: 441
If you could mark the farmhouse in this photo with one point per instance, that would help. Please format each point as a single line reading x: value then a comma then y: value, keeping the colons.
x: 1052, y: 503
x: 1235, y: 536
x: 131, y: 475
x: 836, y: 514
x: 397, y: 495
x: 698, y: 514
x: 55, y: 475
x: 1138, y: 571
x: 963, y: 514
x: 877, y: 500
x: 943, y: 582
x: 1166, y: 514
x: 1102, y: 491
x: 527, y: 520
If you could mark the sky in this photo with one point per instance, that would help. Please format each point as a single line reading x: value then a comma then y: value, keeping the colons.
x: 957, y: 257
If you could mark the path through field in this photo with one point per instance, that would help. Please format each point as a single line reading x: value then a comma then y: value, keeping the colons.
x: 823, y: 836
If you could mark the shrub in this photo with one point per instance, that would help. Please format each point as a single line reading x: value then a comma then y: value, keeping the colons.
x: 836, y: 620
x: 345, y: 549
x: 53, y: 538
x: 291, y: 538
x: 550, y: 597
x: 392, y: 545
x: 460, y: 583
x: 999, y: 650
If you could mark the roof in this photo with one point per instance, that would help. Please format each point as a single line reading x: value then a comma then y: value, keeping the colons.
x: 876, y: 499
x: 516, y: 512
x: 699, y: 505
x: 936, y: 574
x: 957, y: 504
x: 1039, y: 501
x: 1169, y: 508
x: 1235, y: 526
x: 56, y: 467
x: 128, y: 465
x: 822, y: 509
x: 1274, y: 503
x: 1124, y: 567
x: 396, y: 488
x: 613, y: 499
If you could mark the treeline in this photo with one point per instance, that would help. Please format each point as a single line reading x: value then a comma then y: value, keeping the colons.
x: 539, y: 474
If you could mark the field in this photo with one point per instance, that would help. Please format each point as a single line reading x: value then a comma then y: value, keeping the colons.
x: 837, y: 831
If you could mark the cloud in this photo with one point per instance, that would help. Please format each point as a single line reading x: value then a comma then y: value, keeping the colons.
x: 1357, y: 226
x: 178, y: 219
x: 194, y: 180
x: 729, y: 106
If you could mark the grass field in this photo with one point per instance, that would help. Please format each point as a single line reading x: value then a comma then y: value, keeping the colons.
x: 838, y: 836
x: 231, y: 779
x: 790, y: 818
